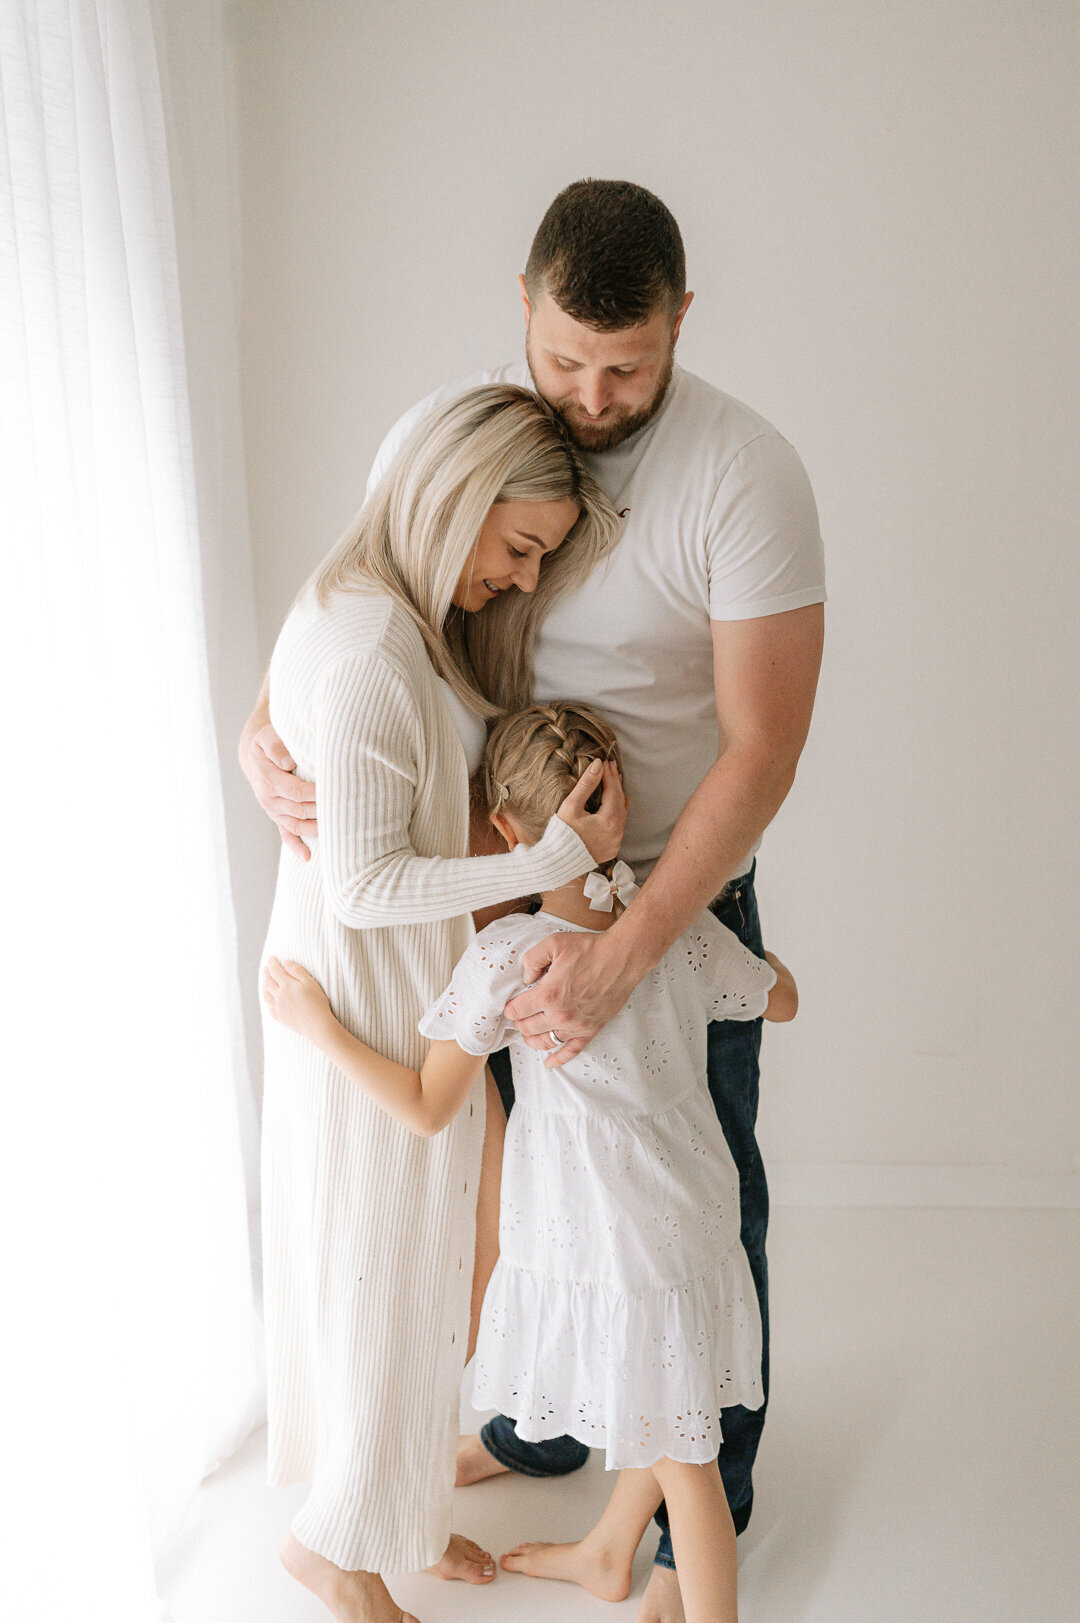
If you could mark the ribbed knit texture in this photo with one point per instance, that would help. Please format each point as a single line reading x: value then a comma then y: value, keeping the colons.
x: 368, y: 1229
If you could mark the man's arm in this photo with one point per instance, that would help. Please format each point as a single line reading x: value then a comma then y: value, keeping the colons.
x: 269, y: 768
x: 765, y: 673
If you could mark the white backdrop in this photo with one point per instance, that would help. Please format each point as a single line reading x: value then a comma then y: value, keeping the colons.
x: 879, y: 213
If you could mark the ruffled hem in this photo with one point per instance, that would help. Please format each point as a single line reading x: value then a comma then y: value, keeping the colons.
x: 642, y: 1375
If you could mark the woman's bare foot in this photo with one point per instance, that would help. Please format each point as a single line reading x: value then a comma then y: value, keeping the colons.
x: 474, y: 1463
x: 595, y: 1566
x: 661, y: 1602
x: 352, y: 1597
x: 464, y: 1559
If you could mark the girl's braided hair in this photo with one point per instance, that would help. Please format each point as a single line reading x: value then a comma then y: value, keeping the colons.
x: 534, y: 758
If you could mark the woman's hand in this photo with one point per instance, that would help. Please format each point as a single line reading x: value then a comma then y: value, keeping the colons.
x: 295, y: 998
x: 601, y: 830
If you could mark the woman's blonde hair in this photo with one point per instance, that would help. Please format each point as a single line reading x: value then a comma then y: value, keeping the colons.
x: 415, y: 535
x: 534, y: 758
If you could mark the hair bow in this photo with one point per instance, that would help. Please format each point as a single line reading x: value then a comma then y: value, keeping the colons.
x: 602, y: 891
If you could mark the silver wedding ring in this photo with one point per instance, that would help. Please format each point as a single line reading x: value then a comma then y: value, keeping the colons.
x: 556, y: 1039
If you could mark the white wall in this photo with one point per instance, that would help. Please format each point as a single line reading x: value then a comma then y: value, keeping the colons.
x: 881, y: 229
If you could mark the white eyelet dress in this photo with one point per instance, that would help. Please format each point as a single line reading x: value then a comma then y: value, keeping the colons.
x: 622, y: 1309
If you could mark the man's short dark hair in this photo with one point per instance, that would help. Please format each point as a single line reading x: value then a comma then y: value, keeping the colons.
x: 609, y: 253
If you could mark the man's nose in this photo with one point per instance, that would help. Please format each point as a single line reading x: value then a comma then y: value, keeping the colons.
x: 594, y: 396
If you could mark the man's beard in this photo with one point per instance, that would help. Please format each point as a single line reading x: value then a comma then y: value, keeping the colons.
x: 613, y: 428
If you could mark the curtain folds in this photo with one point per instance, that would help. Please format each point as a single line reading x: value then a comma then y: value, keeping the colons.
x: 132, y: 1344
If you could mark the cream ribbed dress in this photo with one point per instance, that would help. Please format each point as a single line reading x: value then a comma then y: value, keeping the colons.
x: 369, y: 1229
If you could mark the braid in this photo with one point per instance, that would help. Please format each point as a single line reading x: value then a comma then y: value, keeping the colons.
x: 534, y: 759
x: 571, y: 744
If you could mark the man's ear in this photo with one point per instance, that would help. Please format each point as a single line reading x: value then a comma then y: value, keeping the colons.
x: 525, y: 300
x: 678, y: 318
x: 506, y: 829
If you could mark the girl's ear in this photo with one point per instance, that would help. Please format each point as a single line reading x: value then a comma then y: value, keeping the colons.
x: 505, y: 828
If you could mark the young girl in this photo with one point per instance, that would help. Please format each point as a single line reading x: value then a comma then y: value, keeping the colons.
x: 621, y: 1309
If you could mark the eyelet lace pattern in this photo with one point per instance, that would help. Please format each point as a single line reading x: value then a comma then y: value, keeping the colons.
x: 639, y: 1374
x: 622, y: 1309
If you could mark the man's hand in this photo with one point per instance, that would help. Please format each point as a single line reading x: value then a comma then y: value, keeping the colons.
x: 583, y: 983
x: 287, y: 799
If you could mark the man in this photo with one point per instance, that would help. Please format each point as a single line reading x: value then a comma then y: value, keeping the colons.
x: 700, y: 638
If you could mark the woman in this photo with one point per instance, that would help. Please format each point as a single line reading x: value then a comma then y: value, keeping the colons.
x: 418, y: 627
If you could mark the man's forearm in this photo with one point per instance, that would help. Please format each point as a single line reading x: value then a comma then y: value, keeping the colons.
x: 719, y: 824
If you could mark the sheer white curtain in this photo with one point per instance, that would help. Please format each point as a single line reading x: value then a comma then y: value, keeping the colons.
x: 131, y: 1361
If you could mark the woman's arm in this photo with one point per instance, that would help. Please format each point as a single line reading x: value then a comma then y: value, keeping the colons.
x: 783, y: 1001
x: 423, y: 1101
x: 369, y: 751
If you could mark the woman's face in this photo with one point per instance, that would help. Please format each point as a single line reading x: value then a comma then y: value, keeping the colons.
x: 515, y: 539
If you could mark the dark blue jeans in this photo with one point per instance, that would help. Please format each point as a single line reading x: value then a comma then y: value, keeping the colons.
x: 733, y: 1047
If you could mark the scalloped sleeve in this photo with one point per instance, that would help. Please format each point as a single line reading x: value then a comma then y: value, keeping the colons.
x: 735, y: 984
x: 488, y: 975
x: 368, y: 761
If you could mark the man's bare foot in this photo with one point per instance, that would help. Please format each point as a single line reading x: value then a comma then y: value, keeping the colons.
x: 474, y: 1463
x: 595, y: 1567
x: 464, y: 1559
x: 661, y: 1602
x: 351, y: 1597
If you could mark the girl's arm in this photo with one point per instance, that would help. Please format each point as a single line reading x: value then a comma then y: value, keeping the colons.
x: 783, y: 1001
x: 423, y: 1101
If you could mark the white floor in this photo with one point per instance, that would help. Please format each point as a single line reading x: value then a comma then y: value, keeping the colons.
x: 920, y: 1461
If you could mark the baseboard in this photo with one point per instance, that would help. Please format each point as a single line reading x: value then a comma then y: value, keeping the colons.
x: 834, y: 1184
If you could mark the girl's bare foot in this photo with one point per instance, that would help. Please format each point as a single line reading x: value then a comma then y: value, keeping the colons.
x: 351, y: 1597
x: 596, y: 1567
x: 464, y: 1559
x: 662, y: 1602
x: 474, y: 1463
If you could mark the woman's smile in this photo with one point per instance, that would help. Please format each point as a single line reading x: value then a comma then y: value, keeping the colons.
x: 516, y: 537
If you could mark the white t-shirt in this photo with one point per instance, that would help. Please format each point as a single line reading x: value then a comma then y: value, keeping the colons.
x: 721, y: 525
